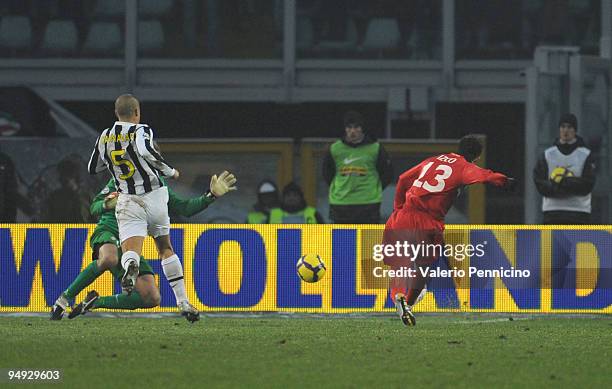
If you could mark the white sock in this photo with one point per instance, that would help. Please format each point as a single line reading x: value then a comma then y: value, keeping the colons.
x: 129, y: 256
x: 173, y: 270
x: 421, y: 295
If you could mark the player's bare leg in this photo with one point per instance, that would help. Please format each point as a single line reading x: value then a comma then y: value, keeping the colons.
x: 107, y: 257
x: 147, y: 288
x: 173, y: 270
x: 130, y: 261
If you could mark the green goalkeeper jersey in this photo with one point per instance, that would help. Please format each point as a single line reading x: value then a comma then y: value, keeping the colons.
x: 176, y: 205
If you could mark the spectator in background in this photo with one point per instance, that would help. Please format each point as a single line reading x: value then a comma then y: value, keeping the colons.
x: 565, y: 177
x: 293, y: 209
x: 69, y: 203
x: 267, y: 198
x: 8, y: 190
x: 357, y: 169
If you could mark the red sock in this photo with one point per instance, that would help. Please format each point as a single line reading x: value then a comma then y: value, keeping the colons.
x: 397, y: 285
x: 394, y: 291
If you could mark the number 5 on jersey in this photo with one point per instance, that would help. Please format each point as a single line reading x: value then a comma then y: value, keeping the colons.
x: 117, y: 158
x: 446, y: 171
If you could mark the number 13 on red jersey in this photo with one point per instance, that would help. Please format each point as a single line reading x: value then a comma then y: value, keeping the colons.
x: 445, y: 172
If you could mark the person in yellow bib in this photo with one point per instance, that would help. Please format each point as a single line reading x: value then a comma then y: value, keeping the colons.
x: 293, y: 209
x: 357, y: 169
x: 267, y: 198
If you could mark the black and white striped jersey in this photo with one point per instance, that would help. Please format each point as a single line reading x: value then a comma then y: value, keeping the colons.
x: 126, y: 149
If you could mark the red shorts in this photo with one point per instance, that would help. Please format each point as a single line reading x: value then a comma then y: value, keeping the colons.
x: 415, y: 227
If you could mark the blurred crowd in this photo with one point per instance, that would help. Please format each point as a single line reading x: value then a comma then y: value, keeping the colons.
x: 59, y: 193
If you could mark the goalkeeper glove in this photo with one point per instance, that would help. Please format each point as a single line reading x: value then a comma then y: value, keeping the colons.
x: 222, y: 184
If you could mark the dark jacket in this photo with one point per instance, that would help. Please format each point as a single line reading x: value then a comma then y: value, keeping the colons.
x: 569, y: 186
x: 383, y: 162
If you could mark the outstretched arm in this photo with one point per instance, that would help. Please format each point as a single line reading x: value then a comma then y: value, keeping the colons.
x: 187, y: 207
x: 219, y: 186
x: 473, y: 174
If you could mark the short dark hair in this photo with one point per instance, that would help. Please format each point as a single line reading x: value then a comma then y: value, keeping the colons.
x: 353, y: 118
x: 293, y: 187
x: 470, y: 147
x: 569, y: 118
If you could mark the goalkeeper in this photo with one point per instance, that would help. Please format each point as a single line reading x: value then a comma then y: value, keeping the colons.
x: 106, y: 253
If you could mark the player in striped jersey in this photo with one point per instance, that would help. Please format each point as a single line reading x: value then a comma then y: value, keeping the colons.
x: 105, y: 255
x: 126, y: 150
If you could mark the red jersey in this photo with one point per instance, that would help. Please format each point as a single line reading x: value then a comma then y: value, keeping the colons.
x: 432, y: 185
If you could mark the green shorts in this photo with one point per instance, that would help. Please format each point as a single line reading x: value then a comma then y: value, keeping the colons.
x: 103, y: 236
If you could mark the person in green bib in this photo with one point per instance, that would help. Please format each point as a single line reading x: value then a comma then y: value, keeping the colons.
x: 357, y: 169
x: 293, y: 209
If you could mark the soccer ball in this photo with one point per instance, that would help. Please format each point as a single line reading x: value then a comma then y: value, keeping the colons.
x: 559, y: 173
x: 310, y: 268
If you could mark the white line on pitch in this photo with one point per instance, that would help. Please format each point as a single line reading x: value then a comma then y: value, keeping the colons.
x: 490, y: 320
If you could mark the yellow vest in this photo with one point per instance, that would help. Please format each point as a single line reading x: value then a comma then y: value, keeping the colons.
x: 305, y: 216
x: 257, y: 218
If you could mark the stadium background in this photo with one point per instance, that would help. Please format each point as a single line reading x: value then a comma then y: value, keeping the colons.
x: 270, y: 80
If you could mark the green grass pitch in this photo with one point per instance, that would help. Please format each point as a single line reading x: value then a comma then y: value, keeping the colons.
x: 313, y: 351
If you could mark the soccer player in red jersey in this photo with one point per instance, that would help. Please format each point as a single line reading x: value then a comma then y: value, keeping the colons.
x: 423, y: 196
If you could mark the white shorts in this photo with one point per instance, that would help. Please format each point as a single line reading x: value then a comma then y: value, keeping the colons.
x: 142, y: 215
